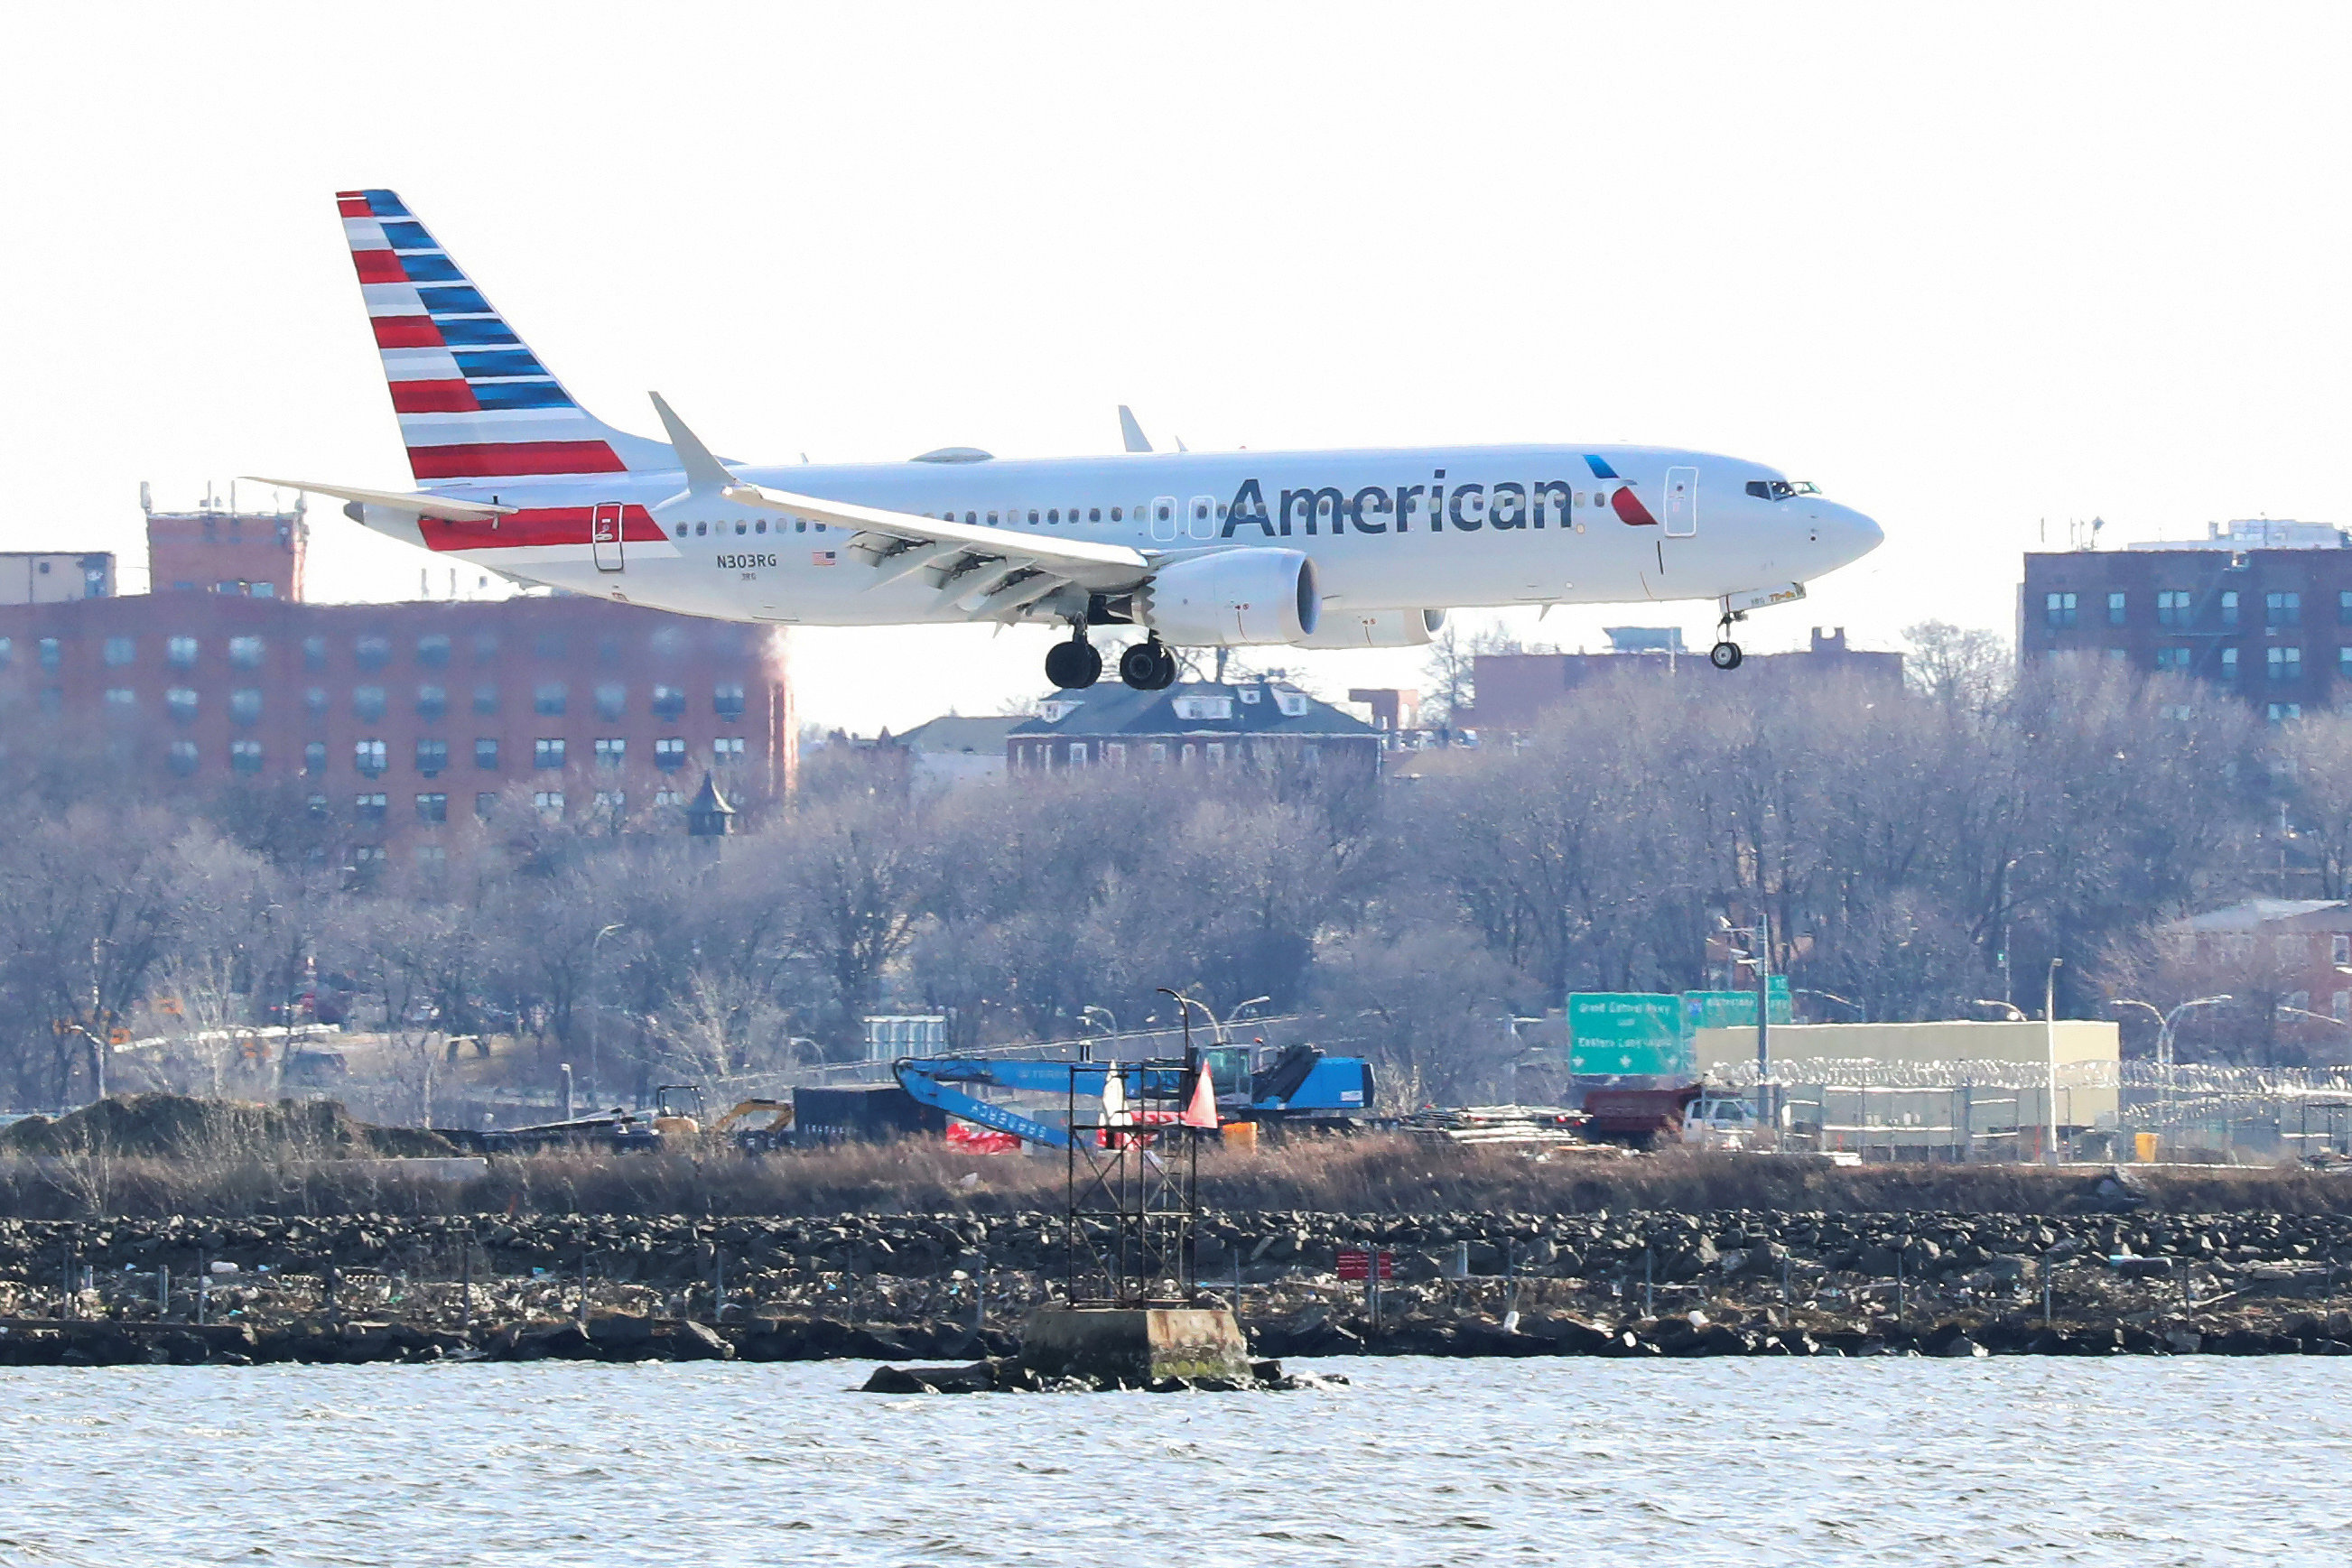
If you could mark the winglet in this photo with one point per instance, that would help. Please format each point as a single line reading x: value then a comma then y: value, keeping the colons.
x: 1130, y: 431
x: 703, y: 472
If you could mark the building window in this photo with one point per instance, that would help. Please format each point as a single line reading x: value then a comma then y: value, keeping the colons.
x: 2339, y: 947
x: 551, y: 646
x: 2172, y: 608
x: 727, y: 750
x: 368, y: 808
x: 367, y: 702
x: 316, y: 805
x: 486, y: 647
x: 1077, y: 754
x: 181, y: 703
x: 611, y: 699
x: 433, y: 808
x: 547, y: 699
x: 315, y: 699
x: 2058, y: 609
x: 2115, y: 609
x: 314, y: 757
x: 547, y: 753
x: 245, y: 704
x: 2229, y: 664
x: 2229, y: 608
x: 245, y: 653
x: 669, y: 797
x: 314, y: 653
x: 611, y: 752
x: 669, y: 753
x: 1160, y: 751
x: 2283, y: 608
x: 182, y: 758
x: 612, y: 802
x: 669, y: 702
x: 367, y: 756
x: 486, y: 700
x: 1215, y: 751
x: 485, y: 802
x: 371, y: 652
x: 2176, y: 659
x: 432, y: 702
x: 367, y: 857
x: 121, y: 701
x: 2280, y: 713
x: 432, y: 652
x: 181, y: 652
x: 486, y: 754
x: 1114, y: 753
x: 434, y: 855
x: 2286, y: 663
x: 431, y: 757
x: 245, y: 756
x: 2343, y: 607
x: 7, y: 651
x: 549, y: 804
x: 727, y: 700
x: 120, y: 651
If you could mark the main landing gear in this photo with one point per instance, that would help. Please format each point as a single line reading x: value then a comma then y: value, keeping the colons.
x: 1074, y: 664
x: 1147, y: 665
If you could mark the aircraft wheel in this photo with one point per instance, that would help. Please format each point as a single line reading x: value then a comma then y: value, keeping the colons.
x: 1073, y: 665
x: 1138, y: 665
x: 1163, y: 673
x: 1725, y: 655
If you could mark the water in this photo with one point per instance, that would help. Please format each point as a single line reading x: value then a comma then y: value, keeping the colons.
x: 2133, y: 1460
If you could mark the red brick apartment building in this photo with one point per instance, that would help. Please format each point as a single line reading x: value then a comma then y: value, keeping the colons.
x: 1513, y: 689
x: 398, y: 722
x: 2260, y: 607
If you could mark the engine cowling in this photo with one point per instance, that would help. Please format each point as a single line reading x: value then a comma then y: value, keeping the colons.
x: 1233, y: 599
x: 1377, y: 629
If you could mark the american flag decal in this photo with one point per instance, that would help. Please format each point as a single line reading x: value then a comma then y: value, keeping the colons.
x: 822, y: 558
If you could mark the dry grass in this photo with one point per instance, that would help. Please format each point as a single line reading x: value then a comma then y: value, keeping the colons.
x: 233, y: 1170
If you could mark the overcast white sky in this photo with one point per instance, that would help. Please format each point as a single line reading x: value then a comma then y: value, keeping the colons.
x: 1968, y: 267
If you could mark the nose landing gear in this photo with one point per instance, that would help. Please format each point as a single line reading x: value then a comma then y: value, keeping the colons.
x: 1725, y: 653
x: 1074, y: 665
x: 1147, y: 665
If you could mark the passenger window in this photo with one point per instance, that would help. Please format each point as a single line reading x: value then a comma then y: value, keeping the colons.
x: 1094, y: 513
x: 702, y: 528
x: 760, y: 527
x: 741, y: 528
x: 1055, y: 515
x: 970, y: 517
x: 1115, y: 514
x: 800, y: 525
x: 1163, y: 514
x: 1033, y: 517
x: 991, y: 519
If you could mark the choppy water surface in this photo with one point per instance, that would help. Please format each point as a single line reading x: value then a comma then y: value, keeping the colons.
x: 1915, y: 1462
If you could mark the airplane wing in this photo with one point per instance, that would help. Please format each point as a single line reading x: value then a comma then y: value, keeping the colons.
x: 419, y: 502
x: 985, y: 571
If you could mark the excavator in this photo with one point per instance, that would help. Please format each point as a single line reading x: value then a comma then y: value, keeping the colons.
x: 1299, y: 1089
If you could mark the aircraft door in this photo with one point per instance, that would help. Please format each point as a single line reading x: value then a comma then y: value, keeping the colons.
x: 604, y: 534
x: 1682, y: 502
x: 1163, y: 518
x: 1200, y: 517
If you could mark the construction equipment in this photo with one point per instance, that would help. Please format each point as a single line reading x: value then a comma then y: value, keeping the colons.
x: 760, y: 1137
x: 1639, y: 1118
x: 678, y: 1114
x: 1299, y: 1089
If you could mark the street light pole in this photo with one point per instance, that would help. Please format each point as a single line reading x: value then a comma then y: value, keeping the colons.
x: 2050, y: 1031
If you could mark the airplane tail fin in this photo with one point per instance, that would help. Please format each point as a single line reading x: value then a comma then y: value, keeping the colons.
x: 475, y: 403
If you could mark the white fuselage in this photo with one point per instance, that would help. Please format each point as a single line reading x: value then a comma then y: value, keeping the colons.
x: 1512, y: 524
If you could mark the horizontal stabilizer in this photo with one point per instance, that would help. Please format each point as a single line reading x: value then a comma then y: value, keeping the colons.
x: 418, y: 503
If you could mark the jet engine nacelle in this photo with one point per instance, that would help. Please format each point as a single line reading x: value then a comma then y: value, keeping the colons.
x: 1377, y: 629
x: 1232, y: 598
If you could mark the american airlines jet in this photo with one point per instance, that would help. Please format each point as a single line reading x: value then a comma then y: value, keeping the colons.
x: 1317, y: 549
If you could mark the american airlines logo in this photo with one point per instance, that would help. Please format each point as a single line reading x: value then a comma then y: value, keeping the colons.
x: 1376, y: 510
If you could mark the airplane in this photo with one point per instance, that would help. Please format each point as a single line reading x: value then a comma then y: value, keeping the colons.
x: 1349, y: 548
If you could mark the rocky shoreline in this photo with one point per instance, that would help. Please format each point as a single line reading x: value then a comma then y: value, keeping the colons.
x: 893, y: 1288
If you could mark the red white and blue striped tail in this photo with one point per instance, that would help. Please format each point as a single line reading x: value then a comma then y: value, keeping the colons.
x: 475, y: 403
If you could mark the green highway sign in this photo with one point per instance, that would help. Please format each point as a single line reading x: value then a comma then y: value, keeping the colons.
x: 1734, y: 1009
x: 1626, y: 1032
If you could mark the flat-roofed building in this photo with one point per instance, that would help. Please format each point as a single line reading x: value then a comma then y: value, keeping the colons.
x: 55, y: 577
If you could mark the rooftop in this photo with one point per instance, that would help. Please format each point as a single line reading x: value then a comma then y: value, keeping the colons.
x: 1192, y: 708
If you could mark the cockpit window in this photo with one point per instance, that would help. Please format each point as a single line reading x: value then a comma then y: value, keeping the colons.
x: 1781, y: 489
